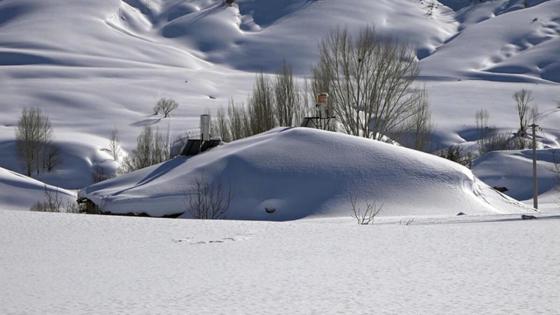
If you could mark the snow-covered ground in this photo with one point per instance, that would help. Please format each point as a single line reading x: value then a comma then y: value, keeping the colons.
x: 79, y: 264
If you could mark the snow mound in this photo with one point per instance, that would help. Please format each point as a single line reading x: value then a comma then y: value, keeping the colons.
x: 19, y: 192
x: 514, y: 170
x: 303, y: 172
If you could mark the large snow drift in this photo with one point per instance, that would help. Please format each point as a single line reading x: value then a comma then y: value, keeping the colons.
x: 18, y: 192
x: 301, y: 172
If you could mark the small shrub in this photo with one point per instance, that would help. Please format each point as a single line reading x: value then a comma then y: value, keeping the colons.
x: 208, y: 201
x: 364, y: 212
x: 502, y: 141
x: 53, y: 202
x: 456, y: 154
x: 496, y: 143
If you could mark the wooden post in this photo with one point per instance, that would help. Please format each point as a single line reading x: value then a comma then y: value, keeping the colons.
x: 535, y: 181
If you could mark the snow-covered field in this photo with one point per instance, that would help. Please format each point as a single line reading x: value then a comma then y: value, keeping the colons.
x: 78, y: 264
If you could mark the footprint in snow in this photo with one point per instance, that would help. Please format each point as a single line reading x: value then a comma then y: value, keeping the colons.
x: 223, y: 240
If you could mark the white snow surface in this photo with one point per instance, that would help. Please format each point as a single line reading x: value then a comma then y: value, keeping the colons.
x: 18, y: 192
x: 80, y: 264
x: 97, y: 65
x: 303, y: 172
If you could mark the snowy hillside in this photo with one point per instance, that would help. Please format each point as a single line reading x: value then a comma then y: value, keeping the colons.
x: 514, y: 170
x: 502, y: 41
x: 303, y: 172
x: 444, y: 242
x: 95, y: 66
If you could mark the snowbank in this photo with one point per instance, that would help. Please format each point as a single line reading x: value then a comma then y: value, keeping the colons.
x: 18, y: 192
x: 303, y: 172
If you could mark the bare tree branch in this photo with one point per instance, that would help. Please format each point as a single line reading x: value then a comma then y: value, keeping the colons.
x: 364, y: 212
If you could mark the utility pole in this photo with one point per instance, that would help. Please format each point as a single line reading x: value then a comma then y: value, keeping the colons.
x: 535, y: 182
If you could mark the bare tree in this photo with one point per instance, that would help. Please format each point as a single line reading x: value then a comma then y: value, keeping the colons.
x: 99, y: 174
x: 523, y: 100
x: 221, y: 125
x: 369, y: 81
x: 238, y: 121
x: 305, y: 102
x: 51, y: 156
x: 261, y: 106
x: 481, y: 119
x: 114, y: 145
x: 33, y: 137
x: 287, y: 97
x: 421, y: 125
x: 208, y: 200
x: 535, y: 115
x: 152, y: 147
x: 364, y: 212
x: 165, y: 106
x: 556, y: 169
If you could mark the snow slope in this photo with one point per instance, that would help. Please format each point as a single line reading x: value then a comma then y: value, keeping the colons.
x: 80, y: 156
x: 304, y: 172
x: 18, y: 192
x: 514, y: 170
x: 95, y: 66
x: 502, y: 41
x: 80, y: 264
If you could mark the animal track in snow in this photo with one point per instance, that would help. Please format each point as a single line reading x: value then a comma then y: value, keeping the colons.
x: 198, y: 241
